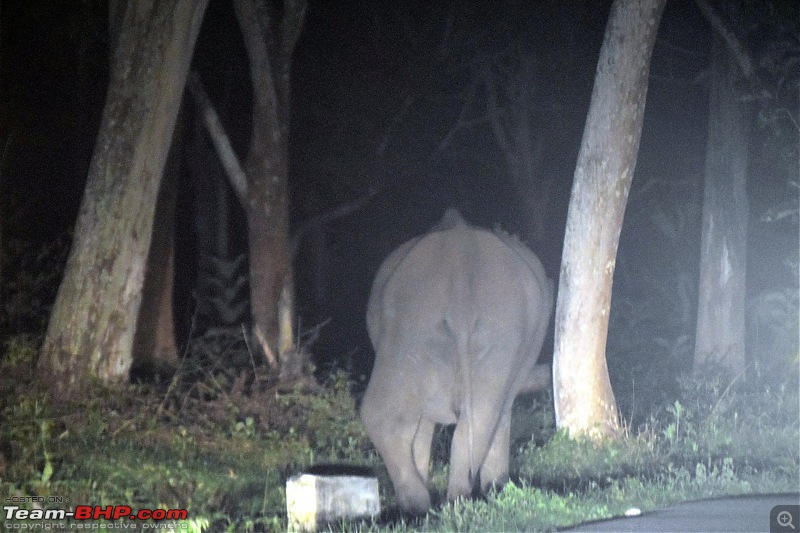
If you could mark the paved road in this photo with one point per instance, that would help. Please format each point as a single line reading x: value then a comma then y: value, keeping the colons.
x: 738, y: 513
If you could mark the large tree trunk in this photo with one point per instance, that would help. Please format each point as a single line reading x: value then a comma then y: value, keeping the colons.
x: 723, y: 253
x: 5, y: 138
x: 154, y: 347
x: 92, y: 325
x: 584, y: 401
x: 270, y: 39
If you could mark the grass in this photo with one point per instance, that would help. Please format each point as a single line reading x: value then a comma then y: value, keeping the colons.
x: 225, y: 453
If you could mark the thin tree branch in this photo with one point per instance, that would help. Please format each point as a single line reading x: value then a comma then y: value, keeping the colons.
x: 735, y: 47
x: 396, y: 120
x: 339, y: 211
x: 732, y: 43
x: 460, y: 122
x: 219, y: 138
x: 493, y: 114
x: 294, y: 14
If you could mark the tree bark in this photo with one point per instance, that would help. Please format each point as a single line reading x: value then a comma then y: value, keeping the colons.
x: 270, y: 39
x: 91, y: 329
x: 154, y: 346
x: 723, y: 242
x: 5, y: 137
x: 584, y: 401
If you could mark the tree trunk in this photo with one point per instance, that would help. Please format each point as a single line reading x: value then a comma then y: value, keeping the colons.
x: 270, y: 40
x: 154, y: 346
x: 5, y: 137
x: 584, y: 401
x: 723, y: 243
x: 92, y: 325
x: 522, y: 149
x: 2, y: 162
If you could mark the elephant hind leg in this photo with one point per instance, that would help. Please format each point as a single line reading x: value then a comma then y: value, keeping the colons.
x: 489, y: 448
x: 394, y: 436
x: 494, y: 471
x: 462, y: 478
x: 421, y: 447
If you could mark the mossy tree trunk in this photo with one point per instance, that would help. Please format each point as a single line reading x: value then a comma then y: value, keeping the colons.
x: 92, y: 325
x: 584, y: 401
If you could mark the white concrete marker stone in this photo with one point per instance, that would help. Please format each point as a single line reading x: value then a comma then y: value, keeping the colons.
x: 316, y: 499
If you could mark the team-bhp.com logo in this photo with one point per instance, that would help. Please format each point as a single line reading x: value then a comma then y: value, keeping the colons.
x: 13, y: 513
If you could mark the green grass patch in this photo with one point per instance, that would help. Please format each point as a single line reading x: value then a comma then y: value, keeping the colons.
x: 225, y: 453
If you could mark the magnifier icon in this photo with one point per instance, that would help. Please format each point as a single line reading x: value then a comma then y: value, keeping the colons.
x: 785, y: 519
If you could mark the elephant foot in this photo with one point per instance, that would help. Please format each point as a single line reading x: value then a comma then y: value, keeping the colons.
x: 459, y: 489
x: 414, y: 501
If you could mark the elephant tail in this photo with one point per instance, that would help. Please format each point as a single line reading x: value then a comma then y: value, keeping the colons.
x: 464, y: 357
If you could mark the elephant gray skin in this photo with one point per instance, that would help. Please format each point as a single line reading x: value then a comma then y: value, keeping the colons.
x: 457, y: 318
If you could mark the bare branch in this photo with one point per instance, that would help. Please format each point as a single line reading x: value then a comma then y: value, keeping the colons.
x: 734, y: 46
x: 262, y: 341
x: 219, y: 138
x: 397, y: 119
x: 493, y: 114
x: 292, y: 22
x: 309, y: 337
x: 461, y: 122
x: 339, y: 211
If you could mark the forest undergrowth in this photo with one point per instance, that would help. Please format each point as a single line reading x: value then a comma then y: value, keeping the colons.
x: 222, y: 447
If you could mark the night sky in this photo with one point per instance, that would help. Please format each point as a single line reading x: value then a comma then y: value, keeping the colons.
x: 388, y: 96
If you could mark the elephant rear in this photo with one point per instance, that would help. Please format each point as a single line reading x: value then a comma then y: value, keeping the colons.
x: 457, y: 318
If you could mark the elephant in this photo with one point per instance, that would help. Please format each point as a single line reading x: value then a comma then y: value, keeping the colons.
x: 457, y: 318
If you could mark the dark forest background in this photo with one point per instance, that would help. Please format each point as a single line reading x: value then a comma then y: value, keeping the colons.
x: 389, y: 117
